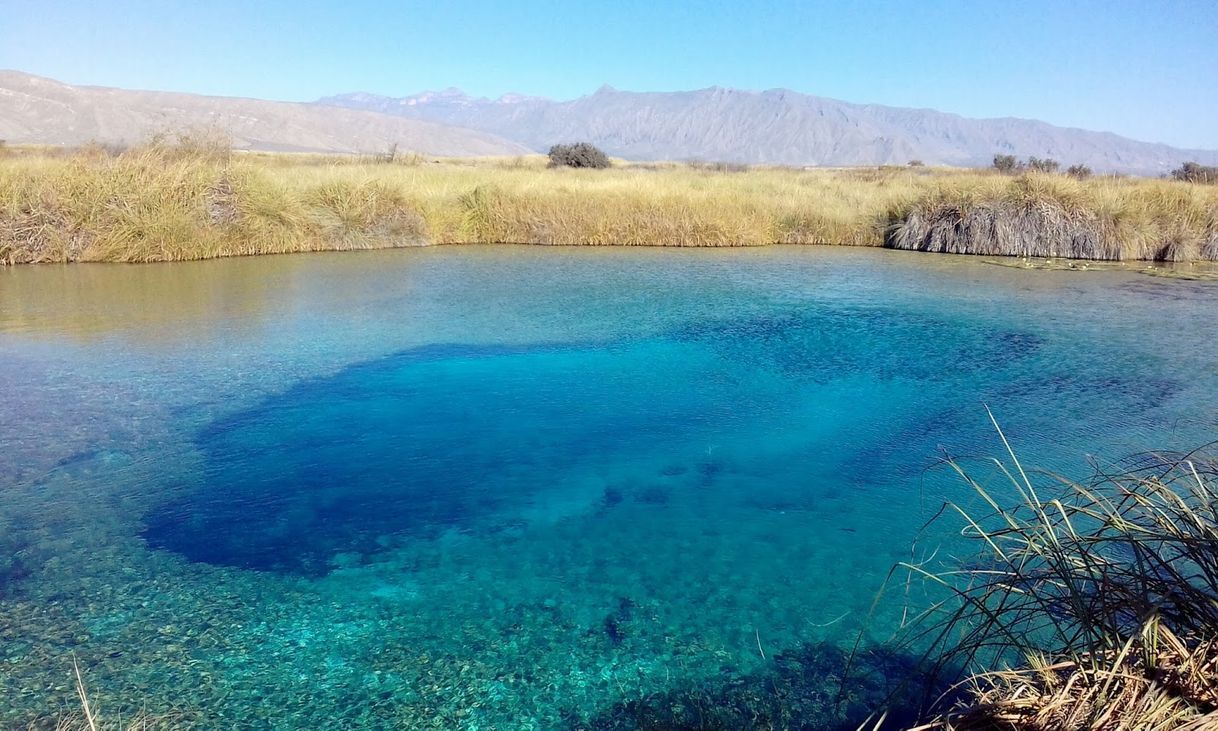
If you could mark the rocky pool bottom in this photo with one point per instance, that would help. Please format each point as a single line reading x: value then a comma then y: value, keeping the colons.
x: 649, y: 610
x: 530, y: 489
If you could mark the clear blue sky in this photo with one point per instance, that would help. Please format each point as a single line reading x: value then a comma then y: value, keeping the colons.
x: 1148, y: 70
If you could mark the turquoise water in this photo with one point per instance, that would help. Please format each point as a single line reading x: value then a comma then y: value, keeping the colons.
x: 513, y: 487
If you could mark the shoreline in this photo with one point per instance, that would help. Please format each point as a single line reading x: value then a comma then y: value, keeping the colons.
x: 1197, y: 270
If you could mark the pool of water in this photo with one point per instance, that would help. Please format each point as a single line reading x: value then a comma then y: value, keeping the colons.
x: 514, y: 487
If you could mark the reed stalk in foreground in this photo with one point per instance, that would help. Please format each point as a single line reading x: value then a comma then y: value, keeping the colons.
x: 1103, y: 594
x: 87, y: 719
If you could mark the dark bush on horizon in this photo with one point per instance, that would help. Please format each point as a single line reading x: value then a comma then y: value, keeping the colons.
x: 1005, y: 163
x: 578, y: 155
x: 1193, y: 172
x: 1045, y: 165
x: 1082, y: 172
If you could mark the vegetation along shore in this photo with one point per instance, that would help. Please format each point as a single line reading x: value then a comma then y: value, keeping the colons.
x: 190, y: 197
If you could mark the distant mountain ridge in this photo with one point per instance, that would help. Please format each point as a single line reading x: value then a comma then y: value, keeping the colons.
x: 777, y: 126
x: 38, y: 110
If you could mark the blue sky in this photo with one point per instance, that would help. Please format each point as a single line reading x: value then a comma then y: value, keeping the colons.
x: 1147, y: 70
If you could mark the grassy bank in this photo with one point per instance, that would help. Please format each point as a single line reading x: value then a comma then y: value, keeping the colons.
x: 1102, y: 596
x: 1047, y: 215
x: 176, y: 202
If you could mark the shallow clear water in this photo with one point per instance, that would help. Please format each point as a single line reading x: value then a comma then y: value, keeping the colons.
x: 515, y: 487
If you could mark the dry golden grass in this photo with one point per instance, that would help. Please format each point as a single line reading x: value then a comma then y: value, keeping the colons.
x: 1107, y: 590
x: 1158, y: 682
x: 1041, y: 215
x: 191, y: 199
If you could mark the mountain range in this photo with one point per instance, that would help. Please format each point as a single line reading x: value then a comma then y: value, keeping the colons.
x: 777, y: 126
x: 773, y: 127
x: 39, y: 110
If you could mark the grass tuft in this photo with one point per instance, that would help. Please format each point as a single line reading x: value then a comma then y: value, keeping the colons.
x: 87, y: 717
x: 1103, y: 596
x: 1041, y: 215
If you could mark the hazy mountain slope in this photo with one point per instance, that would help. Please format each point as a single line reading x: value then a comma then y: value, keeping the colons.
x: 39, y: 110
x: 775, y: 126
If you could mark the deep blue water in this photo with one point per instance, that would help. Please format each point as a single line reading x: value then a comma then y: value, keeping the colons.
x: 459, y: 437
x: 524, y: 484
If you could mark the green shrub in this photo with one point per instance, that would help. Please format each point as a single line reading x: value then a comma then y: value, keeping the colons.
x: 578, y: 155
x: 1005, y: 163
x: 1046, y: 165
x: 1082, y: 172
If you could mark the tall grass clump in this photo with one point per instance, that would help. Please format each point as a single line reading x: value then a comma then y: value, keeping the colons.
x: 1096, y: 601
x: 611, y: 217
x: 364, y: 213
x: 138, y: 206
x: 185, y: 196
x: 1042, y: 215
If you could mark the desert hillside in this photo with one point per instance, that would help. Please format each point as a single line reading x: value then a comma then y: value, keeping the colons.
x: 39, y: 110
